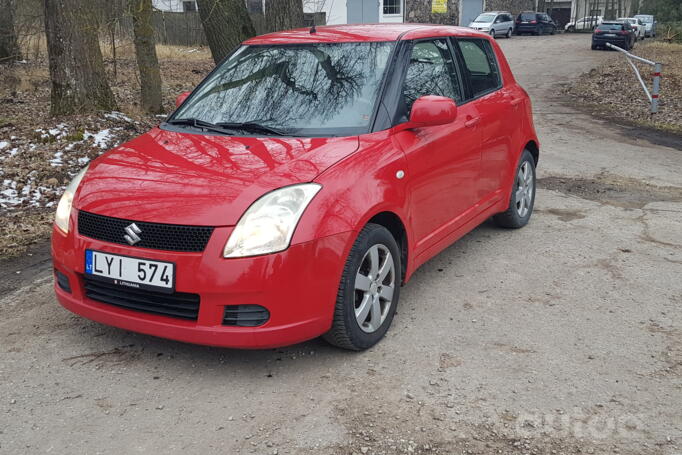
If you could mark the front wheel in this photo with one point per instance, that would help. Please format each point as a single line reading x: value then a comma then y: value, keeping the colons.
x: 368, y: 292
x: 522, y: 197
x: 570, y: 29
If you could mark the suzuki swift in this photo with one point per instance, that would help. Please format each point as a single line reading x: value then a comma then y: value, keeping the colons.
x: 298, y: 187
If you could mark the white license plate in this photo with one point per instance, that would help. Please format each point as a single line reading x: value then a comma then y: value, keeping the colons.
x: 131, y: 272
x: 610, y: 35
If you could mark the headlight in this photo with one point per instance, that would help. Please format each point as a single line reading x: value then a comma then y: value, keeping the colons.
x: 61, y: 219
x: 268, y: 225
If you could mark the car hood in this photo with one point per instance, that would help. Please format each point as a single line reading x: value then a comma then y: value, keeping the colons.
x: 198, y: 179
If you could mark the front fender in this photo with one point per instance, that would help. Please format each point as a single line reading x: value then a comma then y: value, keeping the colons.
x: 355, y: 189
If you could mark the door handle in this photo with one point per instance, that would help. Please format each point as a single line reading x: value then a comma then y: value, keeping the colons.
x: 472, y: 122
x: 516, y: 101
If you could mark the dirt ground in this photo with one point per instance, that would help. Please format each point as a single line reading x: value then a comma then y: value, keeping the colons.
x: 611, y: 89
x: 562, y: 337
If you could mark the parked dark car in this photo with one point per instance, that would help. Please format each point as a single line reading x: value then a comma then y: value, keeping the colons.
x: 619, y: 34
x: 534, y: 23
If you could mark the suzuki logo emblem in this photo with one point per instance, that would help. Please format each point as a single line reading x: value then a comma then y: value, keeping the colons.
x: 132, y: 232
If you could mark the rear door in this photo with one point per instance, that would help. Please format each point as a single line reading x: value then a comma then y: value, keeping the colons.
x: 443, y: 161
x: 497, y: 107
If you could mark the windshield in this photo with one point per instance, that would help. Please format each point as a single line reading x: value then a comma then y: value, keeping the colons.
x: 485, y: 18
x: 300, y: 89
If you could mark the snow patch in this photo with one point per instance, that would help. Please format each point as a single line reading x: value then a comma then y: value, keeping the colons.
x: 101, y: 139
x: 3, y: 144
x: 115, y: 115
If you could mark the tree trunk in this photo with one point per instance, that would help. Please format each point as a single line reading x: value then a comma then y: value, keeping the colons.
x: 226, y: 24
x: 283, y: 14
x: 9, y: 48
x: 145, y: 50
x: 79, y: 82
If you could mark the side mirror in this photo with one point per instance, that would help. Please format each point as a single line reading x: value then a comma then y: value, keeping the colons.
x: 181, y: 98
x: 431, y: 110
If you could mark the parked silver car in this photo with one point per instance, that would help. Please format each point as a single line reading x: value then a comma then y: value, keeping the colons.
x: 496, y: 23
x: 649, y: 24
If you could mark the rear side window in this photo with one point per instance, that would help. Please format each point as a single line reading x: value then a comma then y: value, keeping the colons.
x: 481, y: 65
x: 431, y: 71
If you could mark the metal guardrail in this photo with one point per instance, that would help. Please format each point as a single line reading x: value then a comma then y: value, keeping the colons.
x: 653, y: 96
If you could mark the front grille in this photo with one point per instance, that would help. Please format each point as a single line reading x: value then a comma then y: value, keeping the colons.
x: 177, y: 305
x: 169, y: 237
x: 245, y: 315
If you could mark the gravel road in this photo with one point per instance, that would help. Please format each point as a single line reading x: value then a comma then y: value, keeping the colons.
x: 563, y: 337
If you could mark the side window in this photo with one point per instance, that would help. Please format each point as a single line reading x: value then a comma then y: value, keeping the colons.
x: 481, y: 65
x: 431, y: 71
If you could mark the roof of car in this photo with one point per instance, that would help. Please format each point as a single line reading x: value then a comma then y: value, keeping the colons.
x: 361, y: 32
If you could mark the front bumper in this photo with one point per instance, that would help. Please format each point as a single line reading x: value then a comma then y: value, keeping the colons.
x: 297, y: 286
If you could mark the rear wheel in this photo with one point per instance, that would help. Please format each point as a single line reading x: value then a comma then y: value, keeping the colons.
x: 368, y: 292
x: 509, y: 33
x: 522, y: 197
x: 492, y: 33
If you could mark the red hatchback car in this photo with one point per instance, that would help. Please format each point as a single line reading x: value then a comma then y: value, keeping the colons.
x: 295, y: 190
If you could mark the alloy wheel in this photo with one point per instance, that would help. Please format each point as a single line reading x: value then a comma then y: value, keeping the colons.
x: 374, y: 286
x: 524, y: 189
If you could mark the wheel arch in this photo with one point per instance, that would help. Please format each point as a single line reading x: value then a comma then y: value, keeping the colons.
x: 394, y: 224
x: 534, y: 150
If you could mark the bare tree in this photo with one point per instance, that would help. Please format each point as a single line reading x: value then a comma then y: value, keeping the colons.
x: 145, y: 50
x: 283, y: 14
x: 79, y: 82
x: 9, y: 48
x: 226, y: 24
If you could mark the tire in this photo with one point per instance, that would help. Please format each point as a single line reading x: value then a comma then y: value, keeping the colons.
x: 492, y: 33
x: 515, y: 216
x: 509, y: 34
x: 553, y: 31
x: 347, y: 331
x: 594, y: 47
x: 571, y: 29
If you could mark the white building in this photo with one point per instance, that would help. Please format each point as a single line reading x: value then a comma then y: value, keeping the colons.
x: 357, y: 11
x: 175, y: 6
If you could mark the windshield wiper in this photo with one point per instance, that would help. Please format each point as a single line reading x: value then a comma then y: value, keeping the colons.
x: 253, y: 127
x: 197, y: 123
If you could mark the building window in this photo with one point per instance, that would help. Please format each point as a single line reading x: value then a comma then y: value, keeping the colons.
x: 189, y: 6
x: 254, y: 6
x: 392, y: 6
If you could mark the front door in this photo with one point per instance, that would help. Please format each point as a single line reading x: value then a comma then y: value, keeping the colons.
x: 442, y: 161
x: 362, y: 11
